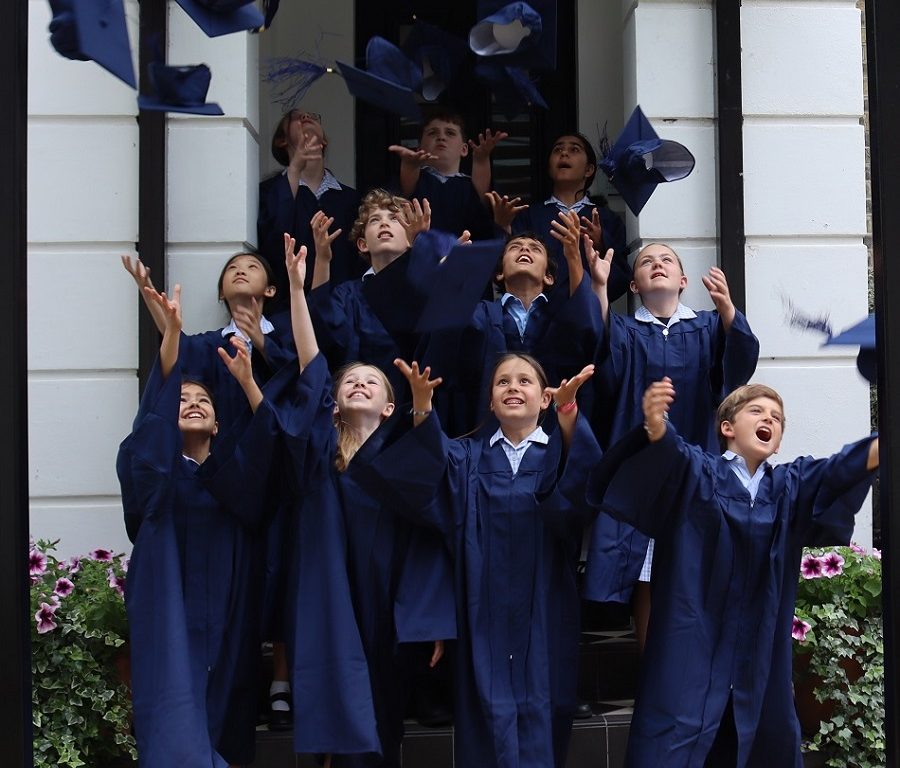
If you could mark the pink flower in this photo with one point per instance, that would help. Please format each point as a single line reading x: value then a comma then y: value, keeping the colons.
x: 74, y: 565
x: 63, y: 587
x: 832, y: 564
x: 115, y: 582
x: 125, y: 561
x: 811, y: 567
x: 876, y: 553
x: 37, y: 562
x: 103, y: 555
x: 799, y: 629
x: 856, y: 548
x: 44, y: 618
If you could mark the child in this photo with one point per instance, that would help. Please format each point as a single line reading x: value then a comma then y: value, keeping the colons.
x: 432, y: 172
x: 305, y: 194
x: 706, y: 354
x: 193, y: 505
x: 351, y: 561
x: 572, y: 166
x: 514, y: 543
x: 715, y: 685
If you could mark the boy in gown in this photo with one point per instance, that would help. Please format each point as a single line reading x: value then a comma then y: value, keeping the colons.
x: 715, y: 685
x: 193, y: 515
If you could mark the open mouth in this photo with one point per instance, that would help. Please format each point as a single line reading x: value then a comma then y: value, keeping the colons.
x: 763, y: 434
x: 194, y: 415
x: 658, y: 273
x: 514, y: 401
x: 385, y: 235
x: 524, y: 259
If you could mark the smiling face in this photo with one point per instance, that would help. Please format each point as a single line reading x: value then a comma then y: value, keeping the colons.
x: 524, y: 257
x: 445, y: 140
x: 517, y: 393
x: 656, y: 269
x: 244, y: 275
x: 196, y: 414
x: 383, y: 235
x: 569, y: 162
x: 363, y: 389
x: 755, y: 430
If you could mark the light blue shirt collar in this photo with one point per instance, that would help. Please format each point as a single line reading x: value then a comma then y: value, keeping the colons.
x: 538, y: 436
x: 264, y: 325
x: 739, y: 467
x: 576, y: 206
x: 515, y: 307
x: 442, y: 177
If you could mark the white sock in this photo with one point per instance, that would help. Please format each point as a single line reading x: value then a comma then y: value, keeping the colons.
x: 280, y: 686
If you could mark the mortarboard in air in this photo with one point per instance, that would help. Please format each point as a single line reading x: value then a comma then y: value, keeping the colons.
x: 390, y: 80
x: 179, y: 89
x: 521, y: 34
x: 438, y: 54
x: 863, y: 334
x: 88, y: 30
x: 512, y: 87
x: 640, y: 160
x: 222, y: 17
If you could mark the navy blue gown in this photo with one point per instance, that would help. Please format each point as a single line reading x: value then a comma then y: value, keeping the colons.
x: 705, y: 364
x: 514, y: 541
x: 191, y: 584
x: 537, y: 217
x: 723, y: 595
x: 349, y: 566
x: 280, y: 212
x: 455, y: 205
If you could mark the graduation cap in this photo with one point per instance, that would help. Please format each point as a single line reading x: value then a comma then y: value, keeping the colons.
x: 512, y: 87
x: 639, y: 160
x: 93, y: 30
x: 179, y: 89
x: 522, y: 34
x: 291, y: 78
x: 438, y: 54
x: 863, y: 334
x: 389, y: 81
x: 222, y: 17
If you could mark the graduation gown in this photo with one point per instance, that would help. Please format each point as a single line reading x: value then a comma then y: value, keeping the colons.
x: 705, y: 364
x: 280, y: 212
x: 725, y: 584
x: 455, y: 205
x: 514, y: 542
x: 537, y: 217
x: 190, y: 592
x: 348, y: 566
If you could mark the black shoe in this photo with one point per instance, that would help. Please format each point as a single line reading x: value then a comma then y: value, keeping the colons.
x: 280, y: 719
x: 583, y: 711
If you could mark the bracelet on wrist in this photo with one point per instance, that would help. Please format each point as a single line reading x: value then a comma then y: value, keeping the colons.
x: 414, y: 412
x: 565, y: 407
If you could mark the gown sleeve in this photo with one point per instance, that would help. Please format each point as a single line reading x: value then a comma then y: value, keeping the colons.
x: 739, y: 355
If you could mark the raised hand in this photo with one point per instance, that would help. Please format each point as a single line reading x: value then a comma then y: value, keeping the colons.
x: 486, y: 142
x: 247, y: 319
x: 421, y: 386
x: 239, y: 365
x: 592, y: 227
x: 416, y: 157
x: 600, y: 267
x: 564, y: 394
x: 171, y: 307
x: 415, y: 217
x: 504, y: 209
x: 139, y: 273
x: 567, y: 229
x: 295, y: 263
x: 717, y: 286
x: 320, y: 223
x: 658, y: 397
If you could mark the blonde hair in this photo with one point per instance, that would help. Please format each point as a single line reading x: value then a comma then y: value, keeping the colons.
x: 348, y: 442
x: 732, y: 405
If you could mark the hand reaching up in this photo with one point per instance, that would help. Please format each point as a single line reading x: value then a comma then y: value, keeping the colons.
x: 295, y: 263
x: 504, y: 209
x: 657, y: 399
x: 415, y: 217
x: 717, y: 286
x: 421, y: 386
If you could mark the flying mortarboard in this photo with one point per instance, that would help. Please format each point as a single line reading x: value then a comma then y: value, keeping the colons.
x: 389, y: 81
x: 521, y: 34
x: 640, y: 160
x: 93, y: 30
x: 863, y: 334
x: 222, y: 17
x: 179, y: 89
x: 438, y: 54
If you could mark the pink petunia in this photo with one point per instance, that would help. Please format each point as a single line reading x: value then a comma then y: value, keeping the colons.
x: 125, y: 561
x: 856, y: 548
x: 37, y: 562
x: 115, y: 582
x: 799, y: 629
x: 832, y: 564
x: 103, y: 555
x: 64, y: 587
x: 811, y: 567
x: 876, y: 553
x: 44, y: 618
x: 74, y: 565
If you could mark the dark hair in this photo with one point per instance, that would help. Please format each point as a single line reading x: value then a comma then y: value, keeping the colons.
x: 204, y: 387
x: 732, y: 405
x: 279, y: 139
x: 589, y: 151
x: 270, y: 278
x: 552, y: 266
x: 440, y: 112
x: 532, y: 361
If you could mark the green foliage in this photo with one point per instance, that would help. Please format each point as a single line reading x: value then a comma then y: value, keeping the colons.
x: 81, y: 705
x: 845, y: 650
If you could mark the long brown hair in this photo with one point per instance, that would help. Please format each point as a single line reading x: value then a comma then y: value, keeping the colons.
x: 348, y: 442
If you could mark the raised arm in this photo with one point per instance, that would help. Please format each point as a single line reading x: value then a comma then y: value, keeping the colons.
x: 301, y: 323
x: 421, y: 386
x: 565, y: 404
x: 141, y: 276
x: 658, y: 397
x: 411, y: 161
x: 415, y: 217
x: 567, y: 230
x: 481, y: 159
x: 600, y: 269
x: 241, y: 368
x: 504, y: 210
x: 717, y: 286
x: 247, y: 317
x: 320, y: 224
x: 170, y: 311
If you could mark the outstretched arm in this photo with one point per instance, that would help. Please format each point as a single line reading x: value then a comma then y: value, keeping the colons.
x: 567, y: 230
x: 301, y: 323
x: 600, y: 269
x: 565, y: 404
x: 717, y: 286
x: 320, y: 223
x: 411, y: 161
x: 241, y: 368
x: 421, y: 386
x: 170, y: 310
x: 481, y: 159
x: 657, y: 399
x: 141, y: 276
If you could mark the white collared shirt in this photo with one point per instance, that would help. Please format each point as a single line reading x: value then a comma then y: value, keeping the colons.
x: 442, y: 177
x: 740, y: 468
x: 576, y: 206
x: 328, y: 182
x: 644, y: 315
x: 231, y: 329
x: 515, y: 452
